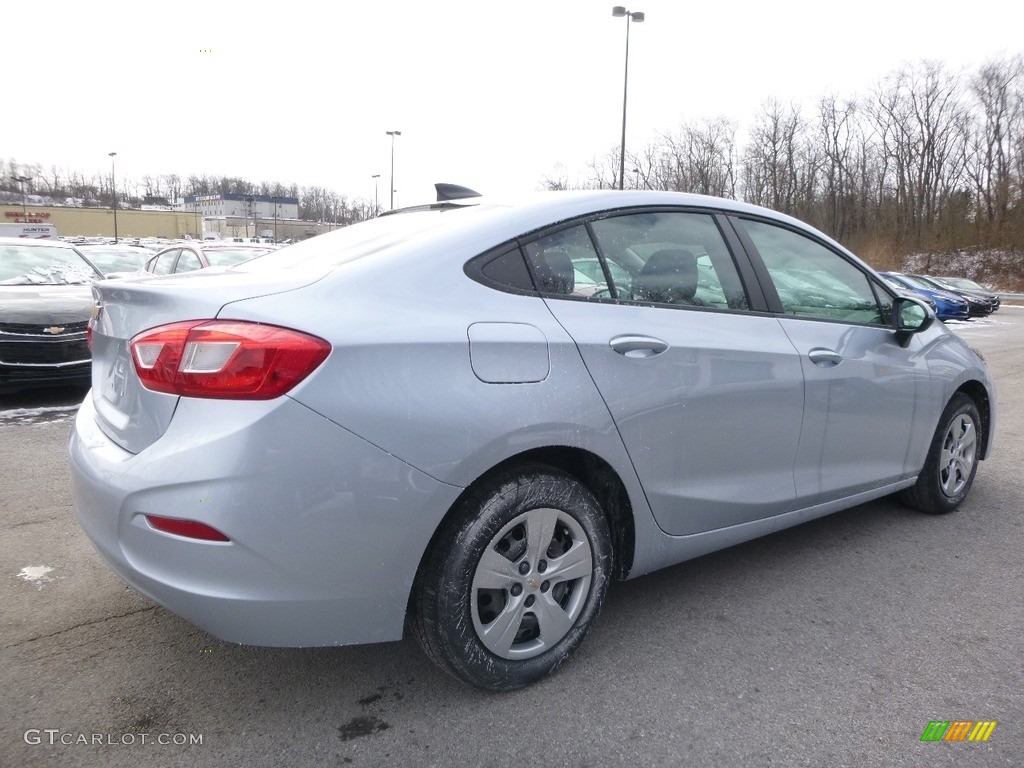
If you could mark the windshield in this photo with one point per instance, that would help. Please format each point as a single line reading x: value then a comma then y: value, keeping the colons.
x: 362, y: 239
x: 916, y: 282
x: 117, y: 260
x: 964, y: 283
x: 43, y: 265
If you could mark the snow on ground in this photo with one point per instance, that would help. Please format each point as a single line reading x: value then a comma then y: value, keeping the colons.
x: 47, y: 415
x: 36, y: 575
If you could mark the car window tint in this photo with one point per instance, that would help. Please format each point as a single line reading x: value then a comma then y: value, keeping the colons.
x: 813, y: 280
x: 669, y: 258
x: 508, y: 269
x: 188, y: 261
x: 563, y: 265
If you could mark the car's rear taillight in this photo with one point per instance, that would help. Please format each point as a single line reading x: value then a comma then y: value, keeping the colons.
x: 228, y: 359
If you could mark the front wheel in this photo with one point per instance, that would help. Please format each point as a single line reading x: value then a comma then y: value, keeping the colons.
x: 952, y: 460
x: 514, y: 580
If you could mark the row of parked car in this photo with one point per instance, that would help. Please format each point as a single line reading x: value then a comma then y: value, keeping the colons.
x: 46, y: 298
x: 952, y: 298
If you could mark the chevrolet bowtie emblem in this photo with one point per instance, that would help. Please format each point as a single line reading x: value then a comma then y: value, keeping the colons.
x: 54, y: 329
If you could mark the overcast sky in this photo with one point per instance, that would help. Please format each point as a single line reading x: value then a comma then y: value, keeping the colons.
x: 492, y: 94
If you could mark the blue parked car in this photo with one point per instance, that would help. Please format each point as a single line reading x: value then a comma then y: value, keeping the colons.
x: 948, y: 306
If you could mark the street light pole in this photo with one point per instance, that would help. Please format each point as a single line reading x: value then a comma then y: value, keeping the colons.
x: 113, y: 189
x: 24, y: 209
x: 376, y: 204
x: 392, y: 134
x: 631, y: 16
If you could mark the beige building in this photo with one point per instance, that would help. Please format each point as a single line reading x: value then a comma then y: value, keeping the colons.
x: 92, y: 222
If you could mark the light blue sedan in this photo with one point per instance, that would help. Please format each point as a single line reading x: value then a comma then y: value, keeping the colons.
x: 432, y: 420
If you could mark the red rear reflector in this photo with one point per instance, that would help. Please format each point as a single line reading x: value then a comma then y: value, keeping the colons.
x: 227, y: 359
x: 191, y: 529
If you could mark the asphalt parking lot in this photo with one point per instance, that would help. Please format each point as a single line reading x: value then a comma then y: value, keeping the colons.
x: 835, y: 643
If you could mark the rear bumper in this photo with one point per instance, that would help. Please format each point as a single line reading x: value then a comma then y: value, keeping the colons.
x: 326, y: 530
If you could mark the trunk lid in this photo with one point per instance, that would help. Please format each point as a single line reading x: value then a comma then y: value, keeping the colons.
x: 128, y: 413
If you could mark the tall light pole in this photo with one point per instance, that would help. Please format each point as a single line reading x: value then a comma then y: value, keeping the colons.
x: 376, y: 185
x: 631, y: 16
x: 113, y: 190
x: 392, y: 134
x: 21, y: 180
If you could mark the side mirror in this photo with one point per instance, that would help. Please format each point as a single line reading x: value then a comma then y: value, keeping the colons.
x: 910, y: 316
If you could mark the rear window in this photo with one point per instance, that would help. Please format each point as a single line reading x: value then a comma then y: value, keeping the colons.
x: 360, y: 240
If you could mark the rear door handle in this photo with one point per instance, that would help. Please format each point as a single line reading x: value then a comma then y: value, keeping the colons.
x: 825, y: 357
x: 638, y: 346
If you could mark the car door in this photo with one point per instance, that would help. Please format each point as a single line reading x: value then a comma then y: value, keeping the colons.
x: 863, y: 384
x: 706, y: 393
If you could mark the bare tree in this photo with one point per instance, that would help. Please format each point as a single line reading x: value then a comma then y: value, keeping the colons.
x: 998, y: 88
x: 922, y: 122
x: 698, y: 157
x: 780, y: 162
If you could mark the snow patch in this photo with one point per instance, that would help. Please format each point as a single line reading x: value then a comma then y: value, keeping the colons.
x: 36, y: 574
x: 43, y: 415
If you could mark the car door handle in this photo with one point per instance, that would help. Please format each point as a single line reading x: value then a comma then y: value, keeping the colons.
x: 825, y: 357
x: 638, y: 346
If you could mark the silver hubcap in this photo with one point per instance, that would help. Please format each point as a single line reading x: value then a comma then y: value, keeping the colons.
x: 531, y: 584
x: 958, y: 452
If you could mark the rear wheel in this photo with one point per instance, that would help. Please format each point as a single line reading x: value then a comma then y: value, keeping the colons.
x: 515, y: 579
x: 952, y: 460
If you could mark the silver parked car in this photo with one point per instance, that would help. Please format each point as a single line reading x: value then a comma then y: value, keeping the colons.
x: 472, y: 416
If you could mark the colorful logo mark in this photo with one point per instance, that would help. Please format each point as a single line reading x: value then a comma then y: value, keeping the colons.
x: 958, y: 730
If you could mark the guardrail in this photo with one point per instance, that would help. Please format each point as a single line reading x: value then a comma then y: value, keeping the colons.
x: 1011, y: 296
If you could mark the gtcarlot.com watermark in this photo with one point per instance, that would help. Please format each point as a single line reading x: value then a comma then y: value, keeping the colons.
x: 55, y: 737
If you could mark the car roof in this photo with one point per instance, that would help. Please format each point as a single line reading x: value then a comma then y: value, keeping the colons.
x: 537, y: 209
x: 37, y: 241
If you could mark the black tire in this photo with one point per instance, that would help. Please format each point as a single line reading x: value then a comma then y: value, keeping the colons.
x: 488, y: 604
x: 952, y: 460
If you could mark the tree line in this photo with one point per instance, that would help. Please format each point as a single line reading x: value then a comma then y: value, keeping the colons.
x: 75, y: 188
x: 929, y: 159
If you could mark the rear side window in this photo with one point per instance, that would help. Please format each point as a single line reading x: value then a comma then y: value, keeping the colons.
x: 565, y: 263
x: 507, y: 270
x: 164, y: 263
x: 188, y: 261
x: 672, y: 258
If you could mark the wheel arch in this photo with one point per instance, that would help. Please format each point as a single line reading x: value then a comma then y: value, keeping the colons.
x: 593, y: 472
x: 977, y: 392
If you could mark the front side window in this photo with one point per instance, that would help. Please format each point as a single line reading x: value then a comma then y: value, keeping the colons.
x: 814, y: 281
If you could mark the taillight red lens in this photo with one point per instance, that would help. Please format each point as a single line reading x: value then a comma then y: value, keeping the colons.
x: 226, y: 359
x: 192, y: 529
